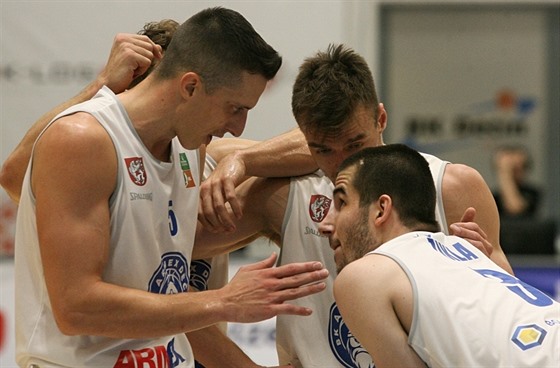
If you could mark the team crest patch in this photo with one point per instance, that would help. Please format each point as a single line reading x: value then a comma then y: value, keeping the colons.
x: 136, y: 170
x: 187, y: 174
x: 172, y: 275
x: 319, y: 207
x: 344, y: 345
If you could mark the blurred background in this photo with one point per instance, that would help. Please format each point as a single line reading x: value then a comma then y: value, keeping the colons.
x: 459, y: 79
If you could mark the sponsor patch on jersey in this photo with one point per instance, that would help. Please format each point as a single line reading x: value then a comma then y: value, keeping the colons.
x: 344, y: 345
x: 136, y: 170
x: 200, y: 273
x: 528, y: 336
x: 156, y: 357
x: 187, y: 174
x: 319, y: 207
x: 172, y: 275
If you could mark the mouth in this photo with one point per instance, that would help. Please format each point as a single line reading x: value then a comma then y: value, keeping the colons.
x: 334, y: 244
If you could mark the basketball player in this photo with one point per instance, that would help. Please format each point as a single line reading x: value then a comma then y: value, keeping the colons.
x: 91, y: 300
x: 414, y: 296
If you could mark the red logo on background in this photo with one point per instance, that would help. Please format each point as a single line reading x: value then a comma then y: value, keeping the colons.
x: 319, y: 207
x: 136, y: 170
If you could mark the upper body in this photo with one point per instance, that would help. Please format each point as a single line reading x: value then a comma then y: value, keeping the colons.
x: 77, y: 235
x: 412, y: 295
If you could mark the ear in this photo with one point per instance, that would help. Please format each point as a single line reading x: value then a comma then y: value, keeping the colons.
x: 190, y: 82
x: 381, y: 118
x: 382, y: 209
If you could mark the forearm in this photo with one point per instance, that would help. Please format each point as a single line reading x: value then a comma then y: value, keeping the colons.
x: 282, y: 156
x: 214, y: 349
x: 113, y: 311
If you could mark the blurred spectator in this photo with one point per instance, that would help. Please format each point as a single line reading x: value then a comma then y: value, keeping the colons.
x: 515, y: 196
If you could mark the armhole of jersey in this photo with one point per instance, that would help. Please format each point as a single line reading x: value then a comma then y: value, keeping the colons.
x: 287, y: 214
x: 439, y: 203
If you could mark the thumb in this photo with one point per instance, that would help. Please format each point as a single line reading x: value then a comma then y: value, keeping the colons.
x: 265, y: 263
x: 468, y: 215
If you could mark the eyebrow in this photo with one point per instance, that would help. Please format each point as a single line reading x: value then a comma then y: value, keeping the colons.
x: 348, y: 141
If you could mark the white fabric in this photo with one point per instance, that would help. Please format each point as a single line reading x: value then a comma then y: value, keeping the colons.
x: 153, y: 223
x: 468, y: 312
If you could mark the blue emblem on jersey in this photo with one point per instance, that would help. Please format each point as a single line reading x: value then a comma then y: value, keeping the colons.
x: 528, y: 336
x: 200, y: 273
x: 344, y: 345
x: 172, y: 275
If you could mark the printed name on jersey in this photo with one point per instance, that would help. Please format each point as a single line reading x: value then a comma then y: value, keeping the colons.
x: 460, y: 253
x: 156, y: 357
x: 319, y: 206
x: 344, y: 345
x: 187, y: 174
x: 200, y: 273
x: 528, y: 336
x: 172, y: 275
x: 136, y: 170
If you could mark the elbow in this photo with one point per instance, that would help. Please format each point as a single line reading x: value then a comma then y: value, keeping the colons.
x: 69, y: 322
x: 9, y: 181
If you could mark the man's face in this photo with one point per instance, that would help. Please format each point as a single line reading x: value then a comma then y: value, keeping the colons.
x: 360, y: 131
x: 222, y: 111
x: 350, y: 233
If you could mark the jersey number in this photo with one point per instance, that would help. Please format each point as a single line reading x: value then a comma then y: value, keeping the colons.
x: 527, y: 292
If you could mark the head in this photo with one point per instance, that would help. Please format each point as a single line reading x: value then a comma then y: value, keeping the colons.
x: 514, y: 158
x: 222, y: 65
x: 335, y: 104
x: 160, y: 33
x: 380, y: 193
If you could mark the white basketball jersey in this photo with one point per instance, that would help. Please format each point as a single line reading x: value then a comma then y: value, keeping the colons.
x: 468, y: 312
x: 153, y: 221
x: 322, y: 339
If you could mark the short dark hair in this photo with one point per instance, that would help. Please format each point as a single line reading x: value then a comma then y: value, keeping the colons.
x: 329, y: 87
x: 218, y: 44
x: 402, y: 173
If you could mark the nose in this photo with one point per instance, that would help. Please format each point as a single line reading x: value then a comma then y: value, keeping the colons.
x: 237, y: 126
x: 326, y: 227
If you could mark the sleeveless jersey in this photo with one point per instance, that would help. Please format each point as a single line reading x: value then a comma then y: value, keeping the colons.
x: 153, y: 220
x: 322, y: 340
x: 469, y: 312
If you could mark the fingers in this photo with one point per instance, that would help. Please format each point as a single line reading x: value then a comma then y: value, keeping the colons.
x: 265, y: 263
x: 214, y: 208
x: 469, y: 214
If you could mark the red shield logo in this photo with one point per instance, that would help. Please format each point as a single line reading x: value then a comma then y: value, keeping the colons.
x: 319, y: 207
x: 136, y: 170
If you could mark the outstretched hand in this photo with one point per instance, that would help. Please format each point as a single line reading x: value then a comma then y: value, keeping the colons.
x: 131, y: 55
x: 218, y: 202
x: 471, y: 232
x: 259, y: 291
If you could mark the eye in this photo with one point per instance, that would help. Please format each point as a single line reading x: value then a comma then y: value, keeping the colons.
x: 354, y: 146
x: 322, y: 151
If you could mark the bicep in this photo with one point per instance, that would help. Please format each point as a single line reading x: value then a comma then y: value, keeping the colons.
x: 369, y: 294
x: 464, y: 187
x: 73, y: 175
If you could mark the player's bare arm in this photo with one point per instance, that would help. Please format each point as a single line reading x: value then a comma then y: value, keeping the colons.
x: 282, y: 156
x: 375, y: 299
x: 464, y: 187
